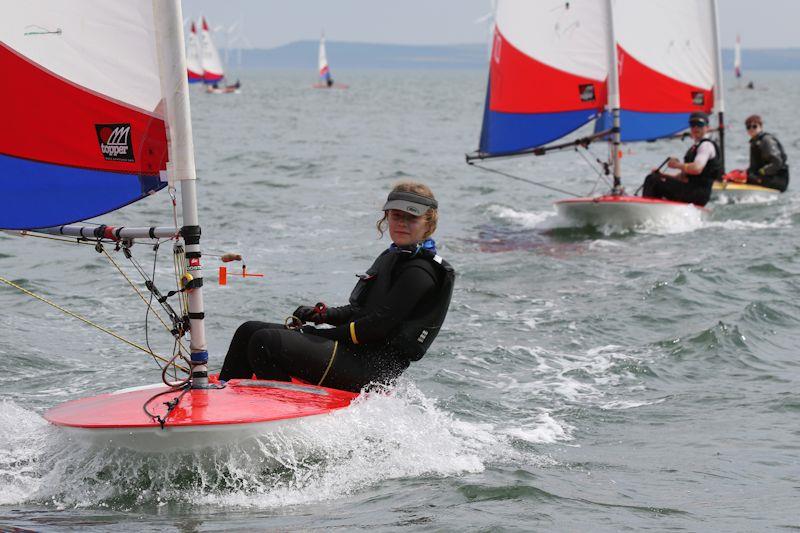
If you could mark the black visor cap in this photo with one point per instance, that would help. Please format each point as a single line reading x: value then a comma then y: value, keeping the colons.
x: 410, y: 202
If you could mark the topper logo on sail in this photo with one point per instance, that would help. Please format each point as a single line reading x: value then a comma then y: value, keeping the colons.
x: 115, y: 142
x: 586, y: 92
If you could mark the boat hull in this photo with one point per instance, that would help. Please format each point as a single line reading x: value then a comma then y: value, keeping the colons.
x: 733, y: 192
x: 243, y: 409
x: 625, y: 211
x: 334, y: 86
x: 223, y: 90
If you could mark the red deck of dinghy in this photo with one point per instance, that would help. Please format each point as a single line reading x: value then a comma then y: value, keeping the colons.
x: 240, y: 402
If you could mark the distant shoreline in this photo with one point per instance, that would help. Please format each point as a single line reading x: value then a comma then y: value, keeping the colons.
x: 351, y: 55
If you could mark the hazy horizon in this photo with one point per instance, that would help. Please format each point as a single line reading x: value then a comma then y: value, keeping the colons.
x: 271, y: 23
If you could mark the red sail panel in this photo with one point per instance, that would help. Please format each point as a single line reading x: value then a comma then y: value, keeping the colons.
x: 646, y: 90
x: 521, y: 84
x: 53, y: 120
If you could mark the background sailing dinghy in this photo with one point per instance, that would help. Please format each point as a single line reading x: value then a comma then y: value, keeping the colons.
x: 728, y: 191
x: 324, y: 69
x: 213, y: 73
x: 638, y: 69
x: 127, y: 134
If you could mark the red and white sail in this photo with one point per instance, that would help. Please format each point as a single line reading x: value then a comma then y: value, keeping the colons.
x: 547, y: 73
x: 210, y: 60
x: 84, y: 122
x: 667, y: 64
x: 194, y: 65
x: 322, y: 62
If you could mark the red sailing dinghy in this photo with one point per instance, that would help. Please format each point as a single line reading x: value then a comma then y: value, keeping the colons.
x: 124, y: 133
x: 202, y: 417
x: 556, y: 66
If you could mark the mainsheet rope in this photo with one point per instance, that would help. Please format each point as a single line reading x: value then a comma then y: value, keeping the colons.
x: 488, y: 169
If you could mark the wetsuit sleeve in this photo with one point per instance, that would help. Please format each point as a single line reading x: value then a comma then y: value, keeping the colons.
x: 411, y: 286
x: 336, y: 316
x: 771, y: 153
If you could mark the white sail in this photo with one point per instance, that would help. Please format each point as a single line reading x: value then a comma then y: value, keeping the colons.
x: 212, y: 64
x: 194, y: 64
x: 737, y: 57
x: 324, y: 69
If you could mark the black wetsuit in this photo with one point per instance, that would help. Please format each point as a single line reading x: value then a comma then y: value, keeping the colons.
x: 395, y: 312
x: 768, y: 163
x: 697, y: 190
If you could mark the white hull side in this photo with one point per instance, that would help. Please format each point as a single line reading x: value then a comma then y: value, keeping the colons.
x: 628, y: 214
x: 157, y: 440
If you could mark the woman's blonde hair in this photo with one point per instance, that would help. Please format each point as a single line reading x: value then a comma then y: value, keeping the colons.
x: 431, y: 215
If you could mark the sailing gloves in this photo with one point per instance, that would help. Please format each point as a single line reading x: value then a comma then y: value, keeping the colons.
x: 314, y: 314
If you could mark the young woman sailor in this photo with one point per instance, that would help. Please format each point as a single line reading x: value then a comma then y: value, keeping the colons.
x: 396, y: 310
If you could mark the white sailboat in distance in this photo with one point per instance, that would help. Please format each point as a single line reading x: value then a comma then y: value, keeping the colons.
x: 325, y: 80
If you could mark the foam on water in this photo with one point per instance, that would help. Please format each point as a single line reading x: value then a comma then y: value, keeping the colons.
x: 22, y: 444
x: 586, y: 379
x: 528, y: 219
x: 725, y: 199
x: 689, y: 220
x: 546, y: 430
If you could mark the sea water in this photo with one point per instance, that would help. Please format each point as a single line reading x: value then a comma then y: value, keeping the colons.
x: 585, y: 380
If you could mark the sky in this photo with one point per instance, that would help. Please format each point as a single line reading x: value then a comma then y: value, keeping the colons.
x: 270, y: 23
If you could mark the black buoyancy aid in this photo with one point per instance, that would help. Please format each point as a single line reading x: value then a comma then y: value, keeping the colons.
x: 412, y: 338
x: 713, y: 169
x: 757, y: 160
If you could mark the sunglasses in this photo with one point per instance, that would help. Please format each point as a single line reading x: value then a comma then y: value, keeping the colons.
x: 697, y: 124
x: 752, y: 126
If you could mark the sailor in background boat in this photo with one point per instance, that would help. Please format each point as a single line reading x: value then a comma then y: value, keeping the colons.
x: 700, y: 167
x: 768, y: 162
x: 396, y: 310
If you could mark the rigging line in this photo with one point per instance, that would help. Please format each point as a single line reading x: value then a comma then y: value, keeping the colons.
x: 150, y: 301
x: 526, y: 180
x: 87, y: 321
x: 149, y: 304
x: 179, y: 262
x: 589, y: 162
x: 600, y: 176
x: 170, y: 404
x: 26, y: 233
x: 67, y: 240
x: 171, y: 191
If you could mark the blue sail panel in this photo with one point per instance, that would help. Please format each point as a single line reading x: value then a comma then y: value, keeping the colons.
x: 507, y: 133
x: 641, y: 126
x: 37, y: 195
